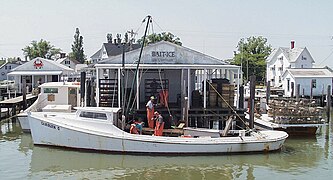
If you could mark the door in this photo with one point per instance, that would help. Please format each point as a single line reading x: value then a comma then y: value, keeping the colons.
x: 72, y: 96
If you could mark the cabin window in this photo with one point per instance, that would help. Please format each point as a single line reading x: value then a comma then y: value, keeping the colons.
x: 50, y: 90
x: 94, y: 115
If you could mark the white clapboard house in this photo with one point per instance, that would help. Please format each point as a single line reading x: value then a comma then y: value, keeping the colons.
x: 288, y: 67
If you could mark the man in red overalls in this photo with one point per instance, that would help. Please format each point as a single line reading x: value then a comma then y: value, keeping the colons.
x: 150, y: 112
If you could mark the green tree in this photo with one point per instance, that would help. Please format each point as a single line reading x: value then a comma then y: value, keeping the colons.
x: 42, y: 49
x: 251, y: 55
x: 164, y: 36
x: 77, y: 48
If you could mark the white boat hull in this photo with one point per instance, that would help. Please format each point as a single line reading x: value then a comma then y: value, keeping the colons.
x: 57, y: 131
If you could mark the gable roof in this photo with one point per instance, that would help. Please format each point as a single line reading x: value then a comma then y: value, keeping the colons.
x: 115, y: 49
x: 48, y: 65
x: 96, y: 55
x: 164, y: 52
x: 291, y: 54
x: 65, y: 58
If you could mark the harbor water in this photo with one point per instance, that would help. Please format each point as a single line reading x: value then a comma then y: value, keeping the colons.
x: 300, y: 158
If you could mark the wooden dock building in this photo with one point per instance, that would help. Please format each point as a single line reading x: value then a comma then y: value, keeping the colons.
x: 189, y: 86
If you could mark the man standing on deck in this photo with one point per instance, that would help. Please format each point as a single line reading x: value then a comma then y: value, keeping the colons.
x: 159, y: 124
x: 150, y: 112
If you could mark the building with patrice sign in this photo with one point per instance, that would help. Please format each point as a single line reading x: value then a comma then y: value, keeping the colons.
x: 38, y: 71
x: 174, y: 75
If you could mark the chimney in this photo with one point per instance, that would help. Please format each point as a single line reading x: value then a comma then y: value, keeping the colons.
x: 62, y: 55
x: 292, y: 44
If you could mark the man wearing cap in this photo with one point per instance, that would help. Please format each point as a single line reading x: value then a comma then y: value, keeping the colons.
x: 150, y: 112
x: 159, y: 124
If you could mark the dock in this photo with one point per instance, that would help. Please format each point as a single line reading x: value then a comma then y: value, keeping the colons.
x: 15, y: 105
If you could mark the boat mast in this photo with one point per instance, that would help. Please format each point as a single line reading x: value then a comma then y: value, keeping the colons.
x: 137, y: 65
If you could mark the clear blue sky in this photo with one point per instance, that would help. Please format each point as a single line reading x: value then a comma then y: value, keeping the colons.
x: 213, y: 27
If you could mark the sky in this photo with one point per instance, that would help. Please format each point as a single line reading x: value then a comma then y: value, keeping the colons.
x: 213, y: 27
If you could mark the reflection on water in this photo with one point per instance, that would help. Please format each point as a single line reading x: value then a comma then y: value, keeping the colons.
x: 298, y: 159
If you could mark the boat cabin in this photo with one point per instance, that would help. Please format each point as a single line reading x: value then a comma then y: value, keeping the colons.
x: 53, y: 93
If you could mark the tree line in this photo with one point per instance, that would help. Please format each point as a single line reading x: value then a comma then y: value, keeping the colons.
x: 251, y: 52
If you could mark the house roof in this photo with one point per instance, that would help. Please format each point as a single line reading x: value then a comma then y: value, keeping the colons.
x: 115, y: 49
x: 14, y: 62
x: 310, y: 72
x: 164, y: 52
x: 48, y: 65
x: 96, y: 55
x: 65, y: 58
x: 290, y: 54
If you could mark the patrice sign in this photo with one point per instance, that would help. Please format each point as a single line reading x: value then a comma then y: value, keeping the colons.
x: 163, y: 56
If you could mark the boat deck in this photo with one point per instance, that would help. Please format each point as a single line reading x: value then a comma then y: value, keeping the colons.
x: 166, y: 132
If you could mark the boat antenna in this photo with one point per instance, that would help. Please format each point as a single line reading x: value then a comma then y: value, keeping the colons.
x: 138, y: 63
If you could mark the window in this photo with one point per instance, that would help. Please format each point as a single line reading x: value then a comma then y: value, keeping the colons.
x: 67, y: 62
x: 280, y: 58
x: 5, y: 67
x: 10, y: 67
x: 94, y: 115
x: 50, y: 90
x: 314, y: 83
x: 280, y: 79
x: 303, y: 58
x: 288, y: 85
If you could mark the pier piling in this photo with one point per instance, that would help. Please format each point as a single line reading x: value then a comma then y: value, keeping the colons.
x: 328, y: 103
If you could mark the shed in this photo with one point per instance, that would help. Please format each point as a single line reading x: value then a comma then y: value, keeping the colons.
x: 312, y: 81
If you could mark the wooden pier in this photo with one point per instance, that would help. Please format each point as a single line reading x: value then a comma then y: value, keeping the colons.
x: 15, y: 105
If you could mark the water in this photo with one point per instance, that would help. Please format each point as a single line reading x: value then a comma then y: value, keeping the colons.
x: 302, y: 158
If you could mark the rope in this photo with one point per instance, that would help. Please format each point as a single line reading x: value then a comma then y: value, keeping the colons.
x: 167, y: 104
x: 233, y: 110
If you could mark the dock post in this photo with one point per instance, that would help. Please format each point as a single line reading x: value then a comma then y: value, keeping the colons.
x: 298, y: 89
x: 241, y: 97
x: 268, y: 93
x: 82, y: 88
x: 328, y: 104
x: 186, y: 111
x: 24, y: 92
x: 252, y: 96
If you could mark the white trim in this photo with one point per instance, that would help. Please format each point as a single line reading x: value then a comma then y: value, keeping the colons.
x: 119, y: 91
x: 188, y: 87
x: 97, y: 87
x: 205, y: 86
x: 34, y: 73
x: 168, y: 66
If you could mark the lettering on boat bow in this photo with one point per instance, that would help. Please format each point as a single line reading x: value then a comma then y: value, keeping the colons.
x: 50, y: 125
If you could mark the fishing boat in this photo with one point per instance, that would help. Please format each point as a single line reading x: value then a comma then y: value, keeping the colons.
x: 94, y: 128
x: 53, y: 97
